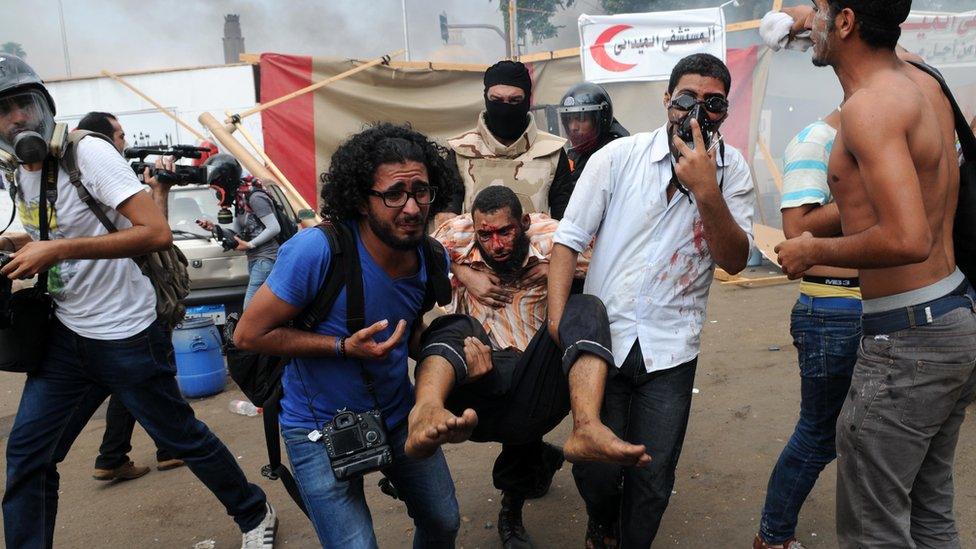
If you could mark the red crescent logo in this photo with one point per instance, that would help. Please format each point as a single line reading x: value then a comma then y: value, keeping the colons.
x: 599, y: 51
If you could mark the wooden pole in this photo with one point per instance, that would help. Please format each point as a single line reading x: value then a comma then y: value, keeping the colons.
x: 513, y: 28
x: 238, y: 151
x: 771, y: 164
x: 379, y: 61
x: 154, y: 103
x: 282, y: 180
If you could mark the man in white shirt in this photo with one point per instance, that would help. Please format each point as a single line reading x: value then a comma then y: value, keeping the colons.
x: 105, y: 337
x: 663, y: 214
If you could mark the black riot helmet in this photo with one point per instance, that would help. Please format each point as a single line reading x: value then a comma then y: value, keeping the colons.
x: 586, y: 101
x: 26, y: 111
x: 15, y: 74
x: 224, y: 176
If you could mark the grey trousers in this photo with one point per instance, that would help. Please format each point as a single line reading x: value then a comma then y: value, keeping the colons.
x: 897, y: 433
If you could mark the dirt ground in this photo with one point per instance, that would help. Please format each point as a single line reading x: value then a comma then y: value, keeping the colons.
x: 745, y: 410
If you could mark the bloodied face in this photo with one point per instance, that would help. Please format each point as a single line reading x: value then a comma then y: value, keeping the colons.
x: 502, y: 239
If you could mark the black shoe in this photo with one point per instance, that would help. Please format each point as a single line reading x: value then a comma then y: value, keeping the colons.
x: 599, y: 536
x: 510, y: 529
x: 552, y: 461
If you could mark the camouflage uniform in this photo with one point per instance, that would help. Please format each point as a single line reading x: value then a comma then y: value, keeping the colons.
x: 534, y: 166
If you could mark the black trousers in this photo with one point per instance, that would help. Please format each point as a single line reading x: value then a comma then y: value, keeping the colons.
x: 641, y: 408
x: 117, y: 440
x: 526, y: 394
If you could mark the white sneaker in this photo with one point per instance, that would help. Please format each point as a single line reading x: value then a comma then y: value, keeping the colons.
x: 263, y: 535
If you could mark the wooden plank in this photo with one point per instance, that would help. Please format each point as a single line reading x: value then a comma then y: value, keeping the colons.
x: 196, y: 133
x: 777, y: 5
x: 251, y: 58
x: 723, y: 276
x: 760, y: 282
x: 378, y: 61
x: 771, y: 164
x: 766, y: 239
x: 742, y: 25
x: 467, y: 67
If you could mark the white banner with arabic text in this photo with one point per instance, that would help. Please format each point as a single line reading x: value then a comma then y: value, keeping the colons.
x: 646, y: 46
x: 942, y: 39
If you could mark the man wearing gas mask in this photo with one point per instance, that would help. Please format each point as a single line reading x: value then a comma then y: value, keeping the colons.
x: 586, y: 113
x: 666, y: 207
x: 507, y: 148
x: 254, y: 218
x: 105, y: 337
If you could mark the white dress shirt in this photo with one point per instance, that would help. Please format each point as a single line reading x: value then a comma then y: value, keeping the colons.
x: 651, y: 265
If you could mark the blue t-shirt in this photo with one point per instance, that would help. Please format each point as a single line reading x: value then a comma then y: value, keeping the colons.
x: 316, y: 388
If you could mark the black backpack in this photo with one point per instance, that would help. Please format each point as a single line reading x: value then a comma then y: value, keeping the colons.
x: 964, y: 228
x: 259, y: 376
x: 287, y: 226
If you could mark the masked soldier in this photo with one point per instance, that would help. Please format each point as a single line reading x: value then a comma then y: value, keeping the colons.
x: 506, y: 148
x: 586, y: 113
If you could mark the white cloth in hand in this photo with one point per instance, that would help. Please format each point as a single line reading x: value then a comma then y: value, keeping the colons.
x: 775, y: 33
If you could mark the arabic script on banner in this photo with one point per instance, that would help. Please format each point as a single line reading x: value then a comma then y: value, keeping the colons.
x: 646, y: 46
x: 942, y: 39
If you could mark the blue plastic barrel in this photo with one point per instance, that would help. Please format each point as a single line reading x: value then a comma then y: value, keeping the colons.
x: 199, y: 365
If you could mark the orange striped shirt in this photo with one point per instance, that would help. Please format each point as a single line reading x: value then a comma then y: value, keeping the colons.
x: 515, y: 324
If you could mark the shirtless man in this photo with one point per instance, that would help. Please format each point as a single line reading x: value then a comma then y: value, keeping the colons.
x: 893, y: 173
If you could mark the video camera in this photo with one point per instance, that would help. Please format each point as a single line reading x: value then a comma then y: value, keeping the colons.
x: 183, y: 175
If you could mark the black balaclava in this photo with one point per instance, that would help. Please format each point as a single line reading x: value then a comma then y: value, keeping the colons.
x: 503, y: 120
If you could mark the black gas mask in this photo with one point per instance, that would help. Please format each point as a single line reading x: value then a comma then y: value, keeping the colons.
x: 700, y: 111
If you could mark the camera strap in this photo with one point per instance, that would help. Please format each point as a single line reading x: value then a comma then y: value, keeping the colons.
x: 49, y: 185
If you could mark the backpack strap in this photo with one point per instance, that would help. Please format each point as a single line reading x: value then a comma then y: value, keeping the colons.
x: 965, y: 134
x: 69, y: 162
x: 355, y: 298
x: 275, y: 470
x: 335, y: 278
x: 438, y: 288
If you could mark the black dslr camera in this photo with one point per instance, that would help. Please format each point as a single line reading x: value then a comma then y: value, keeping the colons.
x: 224, y: 237
x: 357, y: 444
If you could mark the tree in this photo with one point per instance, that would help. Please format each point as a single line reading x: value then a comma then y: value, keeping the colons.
x: 534, y: 16
x: 13, y: 48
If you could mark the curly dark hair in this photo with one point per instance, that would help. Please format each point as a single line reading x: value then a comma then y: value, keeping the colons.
x: 354, y: 165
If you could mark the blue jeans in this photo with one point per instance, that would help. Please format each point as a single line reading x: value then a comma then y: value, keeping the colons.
x: 641, y: 408
x: 338, y: 508
x: 257, y: 272
x: 76, y: 376
x: 826, y: 339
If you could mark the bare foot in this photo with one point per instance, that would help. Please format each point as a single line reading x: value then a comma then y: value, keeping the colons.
x: 595, y: 442
x: 430, y: 426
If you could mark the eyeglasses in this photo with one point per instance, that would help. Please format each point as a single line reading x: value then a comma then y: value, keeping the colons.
x: 398, y: 199
x: 714, y: 104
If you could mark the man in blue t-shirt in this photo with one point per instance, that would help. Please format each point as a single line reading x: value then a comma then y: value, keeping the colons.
x: 383, y: 184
